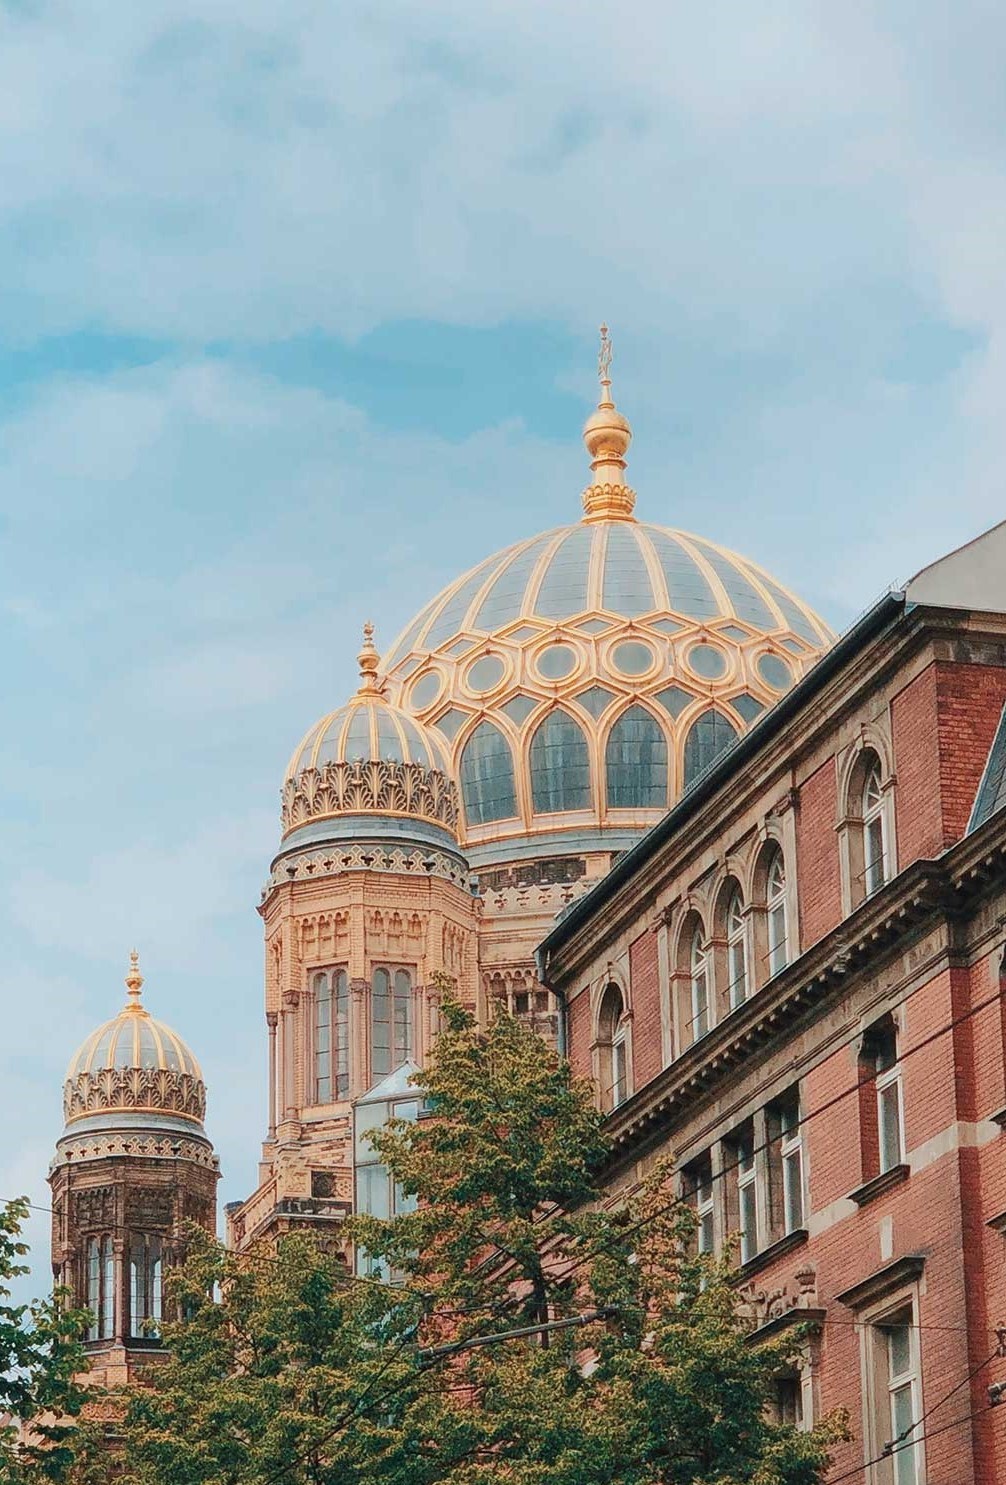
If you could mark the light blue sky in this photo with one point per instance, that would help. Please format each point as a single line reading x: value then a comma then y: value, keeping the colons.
x: 298, y: 309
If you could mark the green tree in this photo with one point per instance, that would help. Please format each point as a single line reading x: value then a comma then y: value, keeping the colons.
x: 41, y: 1360
x: 288, y: 1370
x: 512, y: 1229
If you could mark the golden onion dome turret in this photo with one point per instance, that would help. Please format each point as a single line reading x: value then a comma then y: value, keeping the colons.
x: 369, y: 762
x: 134, y: 1068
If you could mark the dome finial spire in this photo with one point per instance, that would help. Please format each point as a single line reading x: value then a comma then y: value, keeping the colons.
x: 368, y: 660
x: 134, y: 980
x: 607, y: 435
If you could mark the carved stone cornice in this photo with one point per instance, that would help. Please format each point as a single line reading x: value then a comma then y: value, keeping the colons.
x: 74, y: 1151
x: 609, y: 500
x: 375, y: 787
x: 143, y: 1089
x: 330, y: 860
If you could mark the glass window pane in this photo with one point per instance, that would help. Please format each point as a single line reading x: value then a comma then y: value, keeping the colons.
x: 749, y: 1221
x: 380, y: 1024
x: 487, y: 777
x: 635, y: 761
x: 709, y: 736
x: 373, y: 1191
x: 890, y: 1126
x: 560, y: 766
x: 792, y: 1190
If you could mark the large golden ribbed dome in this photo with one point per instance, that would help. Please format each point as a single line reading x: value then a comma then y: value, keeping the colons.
x: 134, y: 1066
x: 581, y: 679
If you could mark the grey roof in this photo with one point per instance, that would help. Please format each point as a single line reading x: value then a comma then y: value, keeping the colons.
x: 991, y: 794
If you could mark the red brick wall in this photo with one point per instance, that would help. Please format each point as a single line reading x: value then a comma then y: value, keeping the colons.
x: 581, y: 1034
x: 817, y: 856
x: 918, y: 816
x: 644, y: 986
x: 970, y: 702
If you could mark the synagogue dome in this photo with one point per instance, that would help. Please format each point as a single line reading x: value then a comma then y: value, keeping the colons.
x: 134, y: 1070
x: 582, y: 679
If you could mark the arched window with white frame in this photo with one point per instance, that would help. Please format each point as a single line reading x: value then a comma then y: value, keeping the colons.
x: 613, y: 1048
x: 776, y: 916
x: 874, y: 831
x: 737, y: 953
x: 698, y: 961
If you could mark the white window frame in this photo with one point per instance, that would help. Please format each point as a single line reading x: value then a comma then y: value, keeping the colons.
x: 747, y: 1180
x: 874, y: 817
x: 698, y: 964
x: 791, y: 1159
x: 885, y: 1080
x: 776, y: 914
x: 620, y: 1062
x: 705, y: 1209
x: 903, y: 1464
x: 737, y: 950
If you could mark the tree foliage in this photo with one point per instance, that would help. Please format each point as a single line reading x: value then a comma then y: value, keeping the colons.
x: 41, y: 1359
x: 287, y: 1370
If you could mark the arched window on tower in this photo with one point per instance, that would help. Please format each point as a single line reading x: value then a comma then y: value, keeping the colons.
x: 487, y: 776
x: 612, y: 1040
x: 331, y: 1035
x: 391, y: 1030
x: 145, y: 1285
x: 100, y: 1259
x: 560, y: 766
x: 708, y: 737
x: 635, y: 762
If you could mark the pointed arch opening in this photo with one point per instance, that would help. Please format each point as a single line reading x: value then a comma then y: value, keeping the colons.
x: 709, y: 736
x: 488, y: 786
x: 635, y: 762
x: 560, y: 766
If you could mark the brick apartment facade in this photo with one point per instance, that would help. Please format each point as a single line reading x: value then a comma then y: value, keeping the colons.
x: 795, y: 985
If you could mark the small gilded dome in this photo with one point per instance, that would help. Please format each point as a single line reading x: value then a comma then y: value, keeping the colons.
x: 369, y: 758
x: 134, y: 1064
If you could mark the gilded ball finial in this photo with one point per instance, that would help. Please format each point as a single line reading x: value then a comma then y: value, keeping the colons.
x: 368, y: 660
x: 134, y: 980
x: 607, y: 435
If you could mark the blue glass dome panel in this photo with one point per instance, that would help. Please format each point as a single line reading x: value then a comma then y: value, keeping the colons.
x: 635, y: 762
x: 709, y: 736
x: 688, y: 588
x: 747, y: 602
x: 487, y: 776
x: 452, y: 616
x: 627, y: 588
x: 560, y: 766
x: 563, y: 590
x: 504, y: 600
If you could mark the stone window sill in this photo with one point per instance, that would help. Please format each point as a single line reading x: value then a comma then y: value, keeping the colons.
x: 778, y: 1249
x: 884, y: 1281
x: 875, y: 1187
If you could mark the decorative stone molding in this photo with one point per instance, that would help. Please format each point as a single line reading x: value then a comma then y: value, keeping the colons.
x: 760, y: 1307
x: 145, y: 1089
x: 328, y: 861
x: 552, y: 897
x: 142, y: 1146
x: 375, y: 787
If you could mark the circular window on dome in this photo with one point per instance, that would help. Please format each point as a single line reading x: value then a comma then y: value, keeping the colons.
x: 485, y: 673
x: 632, y: 657
x: 426, y: 690
x: 775, y: 672
x: 708, y: 662
x: 555, y: 663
